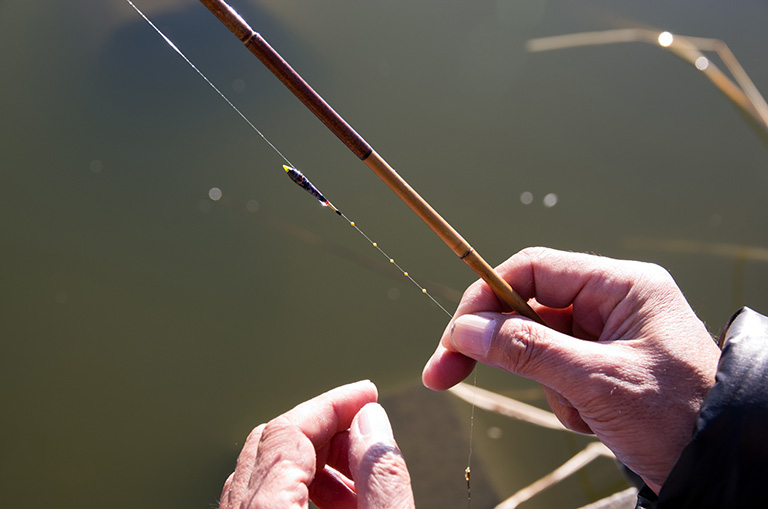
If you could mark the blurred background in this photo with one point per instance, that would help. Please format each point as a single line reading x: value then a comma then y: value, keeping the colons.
x: 150, y: 321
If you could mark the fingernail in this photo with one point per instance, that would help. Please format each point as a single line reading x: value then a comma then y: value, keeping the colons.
x: 374, y: 423
x: 472, y: 334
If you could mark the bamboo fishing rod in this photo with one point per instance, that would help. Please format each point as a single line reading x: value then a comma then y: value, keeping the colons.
x: 312, y: 100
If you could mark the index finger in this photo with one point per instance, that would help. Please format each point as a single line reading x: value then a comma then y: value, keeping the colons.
x: 557, y: 280
x: 332, y: 412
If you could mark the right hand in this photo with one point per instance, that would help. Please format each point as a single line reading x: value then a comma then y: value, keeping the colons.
x: 625, y: 358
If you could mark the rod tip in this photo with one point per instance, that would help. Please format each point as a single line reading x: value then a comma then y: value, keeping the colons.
x: 287, y: 168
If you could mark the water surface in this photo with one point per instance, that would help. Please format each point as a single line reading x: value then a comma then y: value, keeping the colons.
x: 148, y: 328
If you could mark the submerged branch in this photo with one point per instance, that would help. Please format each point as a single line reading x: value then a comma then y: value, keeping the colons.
x: 580, y: 460
x: 507, y: 407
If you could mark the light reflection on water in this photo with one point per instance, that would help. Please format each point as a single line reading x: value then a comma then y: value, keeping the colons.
x: 666, y: 39
x: 150, y: 321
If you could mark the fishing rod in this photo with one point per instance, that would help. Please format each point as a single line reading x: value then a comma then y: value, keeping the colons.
x: 257, y: 45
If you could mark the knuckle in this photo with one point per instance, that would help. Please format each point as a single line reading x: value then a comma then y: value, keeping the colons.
x: 385, y: 469
x: 656, y: 282
x: 277, y: 424
x: 519, y: 348
x: 255, y: 434
x: 533, y: 254
x: 384, y: 461
x: 658, y: 275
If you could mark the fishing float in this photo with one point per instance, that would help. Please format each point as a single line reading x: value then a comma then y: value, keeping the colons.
x: 257, y: 45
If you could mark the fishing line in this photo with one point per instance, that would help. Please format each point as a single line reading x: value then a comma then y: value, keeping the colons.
x: 198, y: 71
x: 298, y: 177
x: 468, y: 470
x: 292, y: 171
x: 393, y: 262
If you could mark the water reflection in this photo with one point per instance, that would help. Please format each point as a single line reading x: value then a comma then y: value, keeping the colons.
x: 238, y: 85
x: 666, y: 39
x: 252, y: 206
x: 550, y: 200
x: 696, y: 247
x: 96, y: 166
x: 143, y: 338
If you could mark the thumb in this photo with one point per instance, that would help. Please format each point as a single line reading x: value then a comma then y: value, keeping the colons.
x: 376, y: 464
x: 521, y: 346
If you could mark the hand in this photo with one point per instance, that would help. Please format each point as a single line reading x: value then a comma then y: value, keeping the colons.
x: 337, y: 449
x: 625, y: 358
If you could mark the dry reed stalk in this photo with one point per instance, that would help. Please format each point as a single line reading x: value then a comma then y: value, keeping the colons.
x: 508, y: 407
x: 591, y: 452
x: 741, y: 90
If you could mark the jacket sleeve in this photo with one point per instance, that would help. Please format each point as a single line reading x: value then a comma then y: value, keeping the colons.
x: 726, y: 462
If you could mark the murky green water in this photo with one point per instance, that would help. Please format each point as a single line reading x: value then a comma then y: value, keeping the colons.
x: 146, y: 328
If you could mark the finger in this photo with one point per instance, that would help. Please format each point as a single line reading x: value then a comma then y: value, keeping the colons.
x: 526, y: 348
x: 552, y: 281
x: 560, y: 319
x: 331, y: 489
x: 592, y: 285
x: 555, y: 278
x: 284, y: 469
x: 298, y: 442
x: 378, y: 468
x: 332, y: 412
x: 566, y: 413
x: 312, y: 423
x: 333, y: 486
x: 337, y: 454
x: 236, y: 488
x: 445, y: 369
x: 224, y: 498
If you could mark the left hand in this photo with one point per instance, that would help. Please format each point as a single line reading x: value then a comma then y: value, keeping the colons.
x: 336, y: 449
